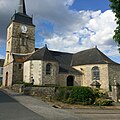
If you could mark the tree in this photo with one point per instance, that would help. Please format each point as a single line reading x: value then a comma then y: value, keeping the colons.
x: 115, y: 5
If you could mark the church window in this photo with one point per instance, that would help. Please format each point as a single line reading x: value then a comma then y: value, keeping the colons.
x: 95, y: 73
x: 20, y: 66
x: 48, y: 69
x: 23, y: 41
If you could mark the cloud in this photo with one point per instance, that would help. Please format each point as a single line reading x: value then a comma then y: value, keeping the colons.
x: 97, y: 28
x: 66, y: 30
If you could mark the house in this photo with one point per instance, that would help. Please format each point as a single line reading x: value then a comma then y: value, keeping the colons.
x: 1, y: 69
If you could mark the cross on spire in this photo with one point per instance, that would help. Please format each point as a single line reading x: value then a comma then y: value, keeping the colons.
x: 22, y: 8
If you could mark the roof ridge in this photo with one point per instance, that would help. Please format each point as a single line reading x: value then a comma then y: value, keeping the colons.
x: 105, y: 57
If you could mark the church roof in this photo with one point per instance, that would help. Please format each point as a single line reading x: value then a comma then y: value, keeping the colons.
x: 68, y: 70
x: 1, y: 62
x: 62, y: 57
x: 91, y: 56
x: 22, y: 8
x: 42, y: 54
x: 67, y: 60
x: 21, y: 15
x: 20, y: 58
x: 22, y: 18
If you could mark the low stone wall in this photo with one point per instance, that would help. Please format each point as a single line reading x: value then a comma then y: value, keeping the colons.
x: 44, y: 92
x: 18, y: 88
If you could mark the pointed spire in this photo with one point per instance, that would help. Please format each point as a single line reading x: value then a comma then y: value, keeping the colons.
x: 22, y: 8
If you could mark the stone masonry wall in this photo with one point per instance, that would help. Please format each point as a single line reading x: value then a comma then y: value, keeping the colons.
x: 87, y: 75
x: 62, y: 79
x: 9, y: 69
x: 114, y: 73
x: 45, y: 92
x: 49, y: 79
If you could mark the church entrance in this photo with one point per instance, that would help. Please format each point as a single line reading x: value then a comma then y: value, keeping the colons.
x: 6, y: 81
x: 70, y: 81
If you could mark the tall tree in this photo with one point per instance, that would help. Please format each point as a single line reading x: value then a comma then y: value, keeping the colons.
x: 115, y: 5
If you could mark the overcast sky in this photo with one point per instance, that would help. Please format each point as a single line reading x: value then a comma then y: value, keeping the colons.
x: 66, y: 25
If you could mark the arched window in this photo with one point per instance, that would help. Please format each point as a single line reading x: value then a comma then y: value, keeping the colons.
x: 95, y: 73
x: 48, y: 69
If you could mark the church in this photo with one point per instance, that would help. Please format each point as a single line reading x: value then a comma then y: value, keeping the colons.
x: 25, y: 63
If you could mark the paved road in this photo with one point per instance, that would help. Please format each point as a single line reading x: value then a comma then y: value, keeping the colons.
x: 15, y: 111
x: 10, y: 109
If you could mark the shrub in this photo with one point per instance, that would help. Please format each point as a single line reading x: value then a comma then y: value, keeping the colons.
x: 100, y: 93
x: 103, y: 102
x: 28, y: 85
x: 76, y: 95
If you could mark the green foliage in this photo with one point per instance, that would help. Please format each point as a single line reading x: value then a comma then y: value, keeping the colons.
x: 99, y: 93
x: 115, y: 5
x: 75, y: 95
x: 28, y: 85
x: 103, y: 102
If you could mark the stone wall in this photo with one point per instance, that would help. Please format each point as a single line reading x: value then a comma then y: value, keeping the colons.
x: 13, y: 38
x: 51, y: 78
x: 45, y: 92
x: 37, y: 70
x: 17, y: 73
x: 114, y: 73
x: 8, y: 69
x: 87, y: 75
x: 33, y: 69
x: 62, y: 79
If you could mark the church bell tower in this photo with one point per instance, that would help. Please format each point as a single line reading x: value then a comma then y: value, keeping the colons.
x: 20, y: 41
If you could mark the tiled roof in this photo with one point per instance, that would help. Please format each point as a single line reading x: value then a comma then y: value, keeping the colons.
x: 1, y: 62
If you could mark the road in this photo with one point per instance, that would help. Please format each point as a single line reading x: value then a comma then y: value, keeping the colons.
x: 11, y: 109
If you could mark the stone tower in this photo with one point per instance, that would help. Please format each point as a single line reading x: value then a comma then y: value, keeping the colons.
x: 20, y: 43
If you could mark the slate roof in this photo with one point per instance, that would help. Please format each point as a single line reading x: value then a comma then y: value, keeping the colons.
x: 22, y: 18
x: 1, y: 62
x: 68, y: 70
x: 91, y: 56
x: 67, y: 60
x: 62, y: 57
x: 42, y: 54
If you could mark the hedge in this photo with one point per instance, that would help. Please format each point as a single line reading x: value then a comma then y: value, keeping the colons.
x: 75, y: 95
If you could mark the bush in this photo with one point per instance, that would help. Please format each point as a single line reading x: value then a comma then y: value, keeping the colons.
x: 75, y: 95
x: 28, y: 85
x: 103, y: 102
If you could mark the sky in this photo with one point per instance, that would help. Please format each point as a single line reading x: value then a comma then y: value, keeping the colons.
x: 66, y: 25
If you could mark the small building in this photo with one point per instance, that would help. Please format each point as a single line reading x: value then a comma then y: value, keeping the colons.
x: 1, y: 69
